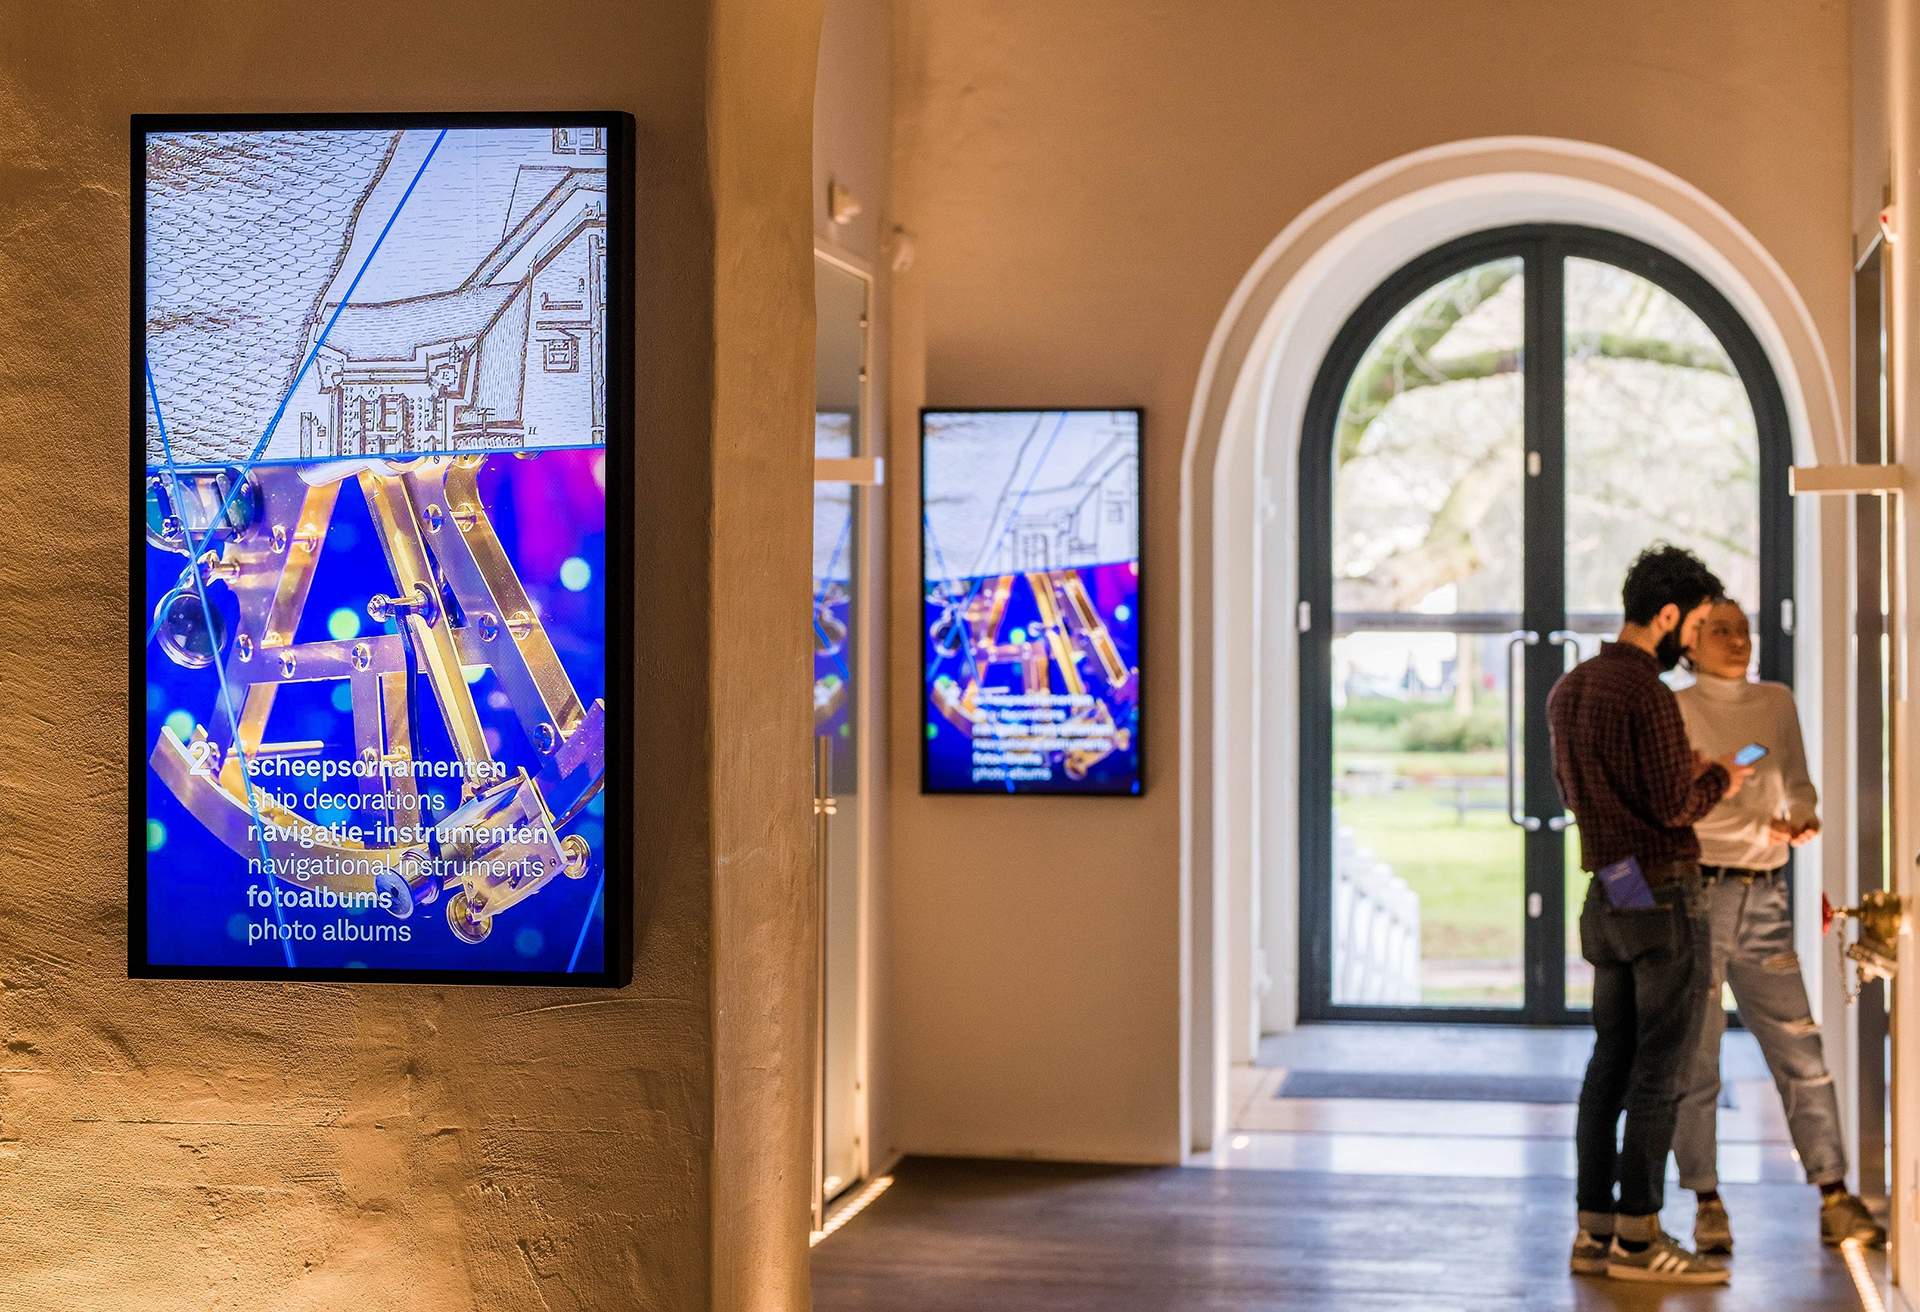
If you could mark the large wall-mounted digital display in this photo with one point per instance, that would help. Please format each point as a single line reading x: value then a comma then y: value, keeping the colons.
x: 1030, y: 568
x: 381, y: 447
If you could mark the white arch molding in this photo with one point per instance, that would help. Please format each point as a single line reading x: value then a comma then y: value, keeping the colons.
x: 1239, y: 543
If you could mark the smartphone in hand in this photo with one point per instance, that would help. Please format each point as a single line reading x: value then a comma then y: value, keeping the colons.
x: 1749, y: 755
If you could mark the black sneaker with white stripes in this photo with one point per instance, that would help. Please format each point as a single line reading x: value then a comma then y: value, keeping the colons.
x: 1665, y: 1262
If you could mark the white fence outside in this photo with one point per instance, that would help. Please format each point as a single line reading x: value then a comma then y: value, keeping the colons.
x: 1376, y: 929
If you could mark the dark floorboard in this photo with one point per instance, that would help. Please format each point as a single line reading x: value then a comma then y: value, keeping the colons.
x: 963, y: 1236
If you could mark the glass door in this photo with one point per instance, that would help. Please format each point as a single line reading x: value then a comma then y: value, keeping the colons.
x: 1876, y: 656
x: 844, y: 469
x: 1496, y: 433
x: 1650, y: 387
x: 1429, y: 871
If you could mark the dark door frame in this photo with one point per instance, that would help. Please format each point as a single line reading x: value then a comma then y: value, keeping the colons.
x: 1874, y: 547
x: 1544, y: 249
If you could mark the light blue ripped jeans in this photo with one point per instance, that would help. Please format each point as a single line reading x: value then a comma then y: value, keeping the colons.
x: 1753, y: 951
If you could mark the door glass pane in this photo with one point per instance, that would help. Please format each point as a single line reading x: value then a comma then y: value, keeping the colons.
x: 1428, y: 896
x: 836, y: 727
x: 1427, y: 453
x: 1661, y: 444
x: 1427, y: 866
x: 1661, y: 441
x: 840, y: 298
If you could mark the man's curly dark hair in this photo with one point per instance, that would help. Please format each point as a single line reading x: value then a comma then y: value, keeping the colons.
x: 1665, y: 573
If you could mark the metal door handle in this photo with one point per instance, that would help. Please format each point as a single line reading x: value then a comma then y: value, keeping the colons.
x: 1515, y: 641
x: 1569, y: 643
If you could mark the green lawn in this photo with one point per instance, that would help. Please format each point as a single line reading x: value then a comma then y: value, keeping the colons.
x: 1428, y: 765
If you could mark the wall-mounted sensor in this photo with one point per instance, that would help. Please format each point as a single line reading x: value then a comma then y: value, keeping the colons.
x: 843, y: 207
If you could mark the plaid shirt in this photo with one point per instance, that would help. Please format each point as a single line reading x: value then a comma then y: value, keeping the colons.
x: 1625, y: 768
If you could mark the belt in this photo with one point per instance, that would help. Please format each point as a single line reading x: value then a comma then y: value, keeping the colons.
x: 1735, y: 872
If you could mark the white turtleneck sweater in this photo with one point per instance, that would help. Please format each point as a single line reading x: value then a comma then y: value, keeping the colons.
x: 1724, y: 715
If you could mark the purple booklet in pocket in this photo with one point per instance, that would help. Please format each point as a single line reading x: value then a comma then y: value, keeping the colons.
x: 1626, y: 885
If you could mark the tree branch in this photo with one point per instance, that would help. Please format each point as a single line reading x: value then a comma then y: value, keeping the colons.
x: 1601, y: 346
x: 1383, y: 375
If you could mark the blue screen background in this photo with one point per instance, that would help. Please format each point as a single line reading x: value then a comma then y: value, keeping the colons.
x: 550, y: 514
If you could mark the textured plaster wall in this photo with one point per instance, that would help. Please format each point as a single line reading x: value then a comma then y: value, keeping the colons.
x: 193, y: 1146
x: 1086, y: 184
x: 765, y: 899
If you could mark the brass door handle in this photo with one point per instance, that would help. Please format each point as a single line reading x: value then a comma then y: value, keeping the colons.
x: 1882, y: 918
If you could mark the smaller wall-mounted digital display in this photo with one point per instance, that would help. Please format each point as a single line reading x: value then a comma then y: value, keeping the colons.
x: 1030, y: 569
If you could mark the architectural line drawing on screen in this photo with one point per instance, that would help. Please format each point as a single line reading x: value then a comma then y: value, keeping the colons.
x: 1069, y: 499
x: 480, y: 328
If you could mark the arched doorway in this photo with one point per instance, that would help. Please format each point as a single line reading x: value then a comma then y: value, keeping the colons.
x: 1495, y: 432
x: 1238, y: 597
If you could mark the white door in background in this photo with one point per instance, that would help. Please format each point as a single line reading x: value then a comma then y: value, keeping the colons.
x: 842, y: 700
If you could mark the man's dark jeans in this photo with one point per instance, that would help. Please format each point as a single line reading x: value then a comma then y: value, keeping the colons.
x: 1649, y: 973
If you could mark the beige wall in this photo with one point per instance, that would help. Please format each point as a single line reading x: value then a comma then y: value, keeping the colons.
x: 759, y: 718
x: 853, y: 121
x: 182, y: 1146
x: 1085, y: 185
x: 1868, y: 70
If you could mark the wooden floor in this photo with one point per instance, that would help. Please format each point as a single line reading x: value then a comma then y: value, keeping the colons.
x: 968, y: 1236
x: 1331, y: 1205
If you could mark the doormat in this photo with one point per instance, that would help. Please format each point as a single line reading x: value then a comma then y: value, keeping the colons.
x: 1426, y: 1086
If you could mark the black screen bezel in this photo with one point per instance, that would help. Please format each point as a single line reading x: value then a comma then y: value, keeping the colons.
x: 618, y: 894
x: 927, y: 789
